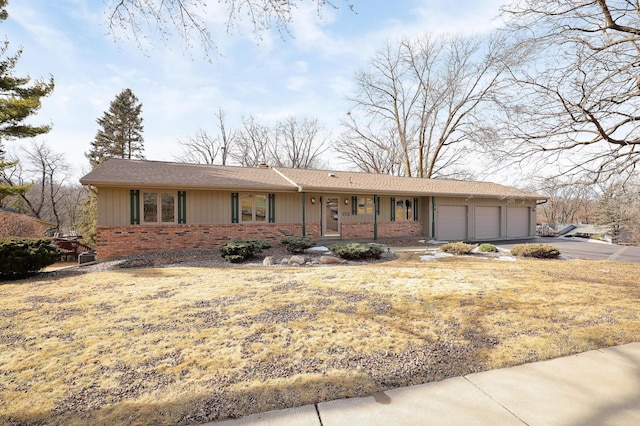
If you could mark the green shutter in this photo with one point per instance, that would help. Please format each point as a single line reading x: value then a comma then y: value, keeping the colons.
x: 354, y: 205
x: 415, y: 209
x: 134, y: 197
x: 272, y: 208
x: 376, y: 210
x: 182, y: 207
x: 393, y: 209
x: 234, y: 207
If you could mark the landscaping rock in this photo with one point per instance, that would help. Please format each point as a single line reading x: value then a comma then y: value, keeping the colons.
x: 269, y: 261
x: 329, y: 260
x: 297, y: 260
x: 284, y: 261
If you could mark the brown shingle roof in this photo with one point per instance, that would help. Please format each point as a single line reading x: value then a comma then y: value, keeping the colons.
x: 349, y: 182
x: 118, y: 172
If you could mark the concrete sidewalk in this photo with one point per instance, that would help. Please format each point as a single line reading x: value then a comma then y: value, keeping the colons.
x: 593, y: 388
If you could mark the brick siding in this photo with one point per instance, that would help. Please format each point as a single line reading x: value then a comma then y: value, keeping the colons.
x: 400, y: 229
x: 116, y: 241
x: 385, y: 230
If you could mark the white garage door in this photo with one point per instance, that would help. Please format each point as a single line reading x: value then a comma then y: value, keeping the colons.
x: 517, y: 222
x: 487, y: 223
x: 452, y: 223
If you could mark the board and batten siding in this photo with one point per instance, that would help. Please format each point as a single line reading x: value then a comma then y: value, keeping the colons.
x: 114, y: 206
x: 203, y: 207
x: 208, y: 207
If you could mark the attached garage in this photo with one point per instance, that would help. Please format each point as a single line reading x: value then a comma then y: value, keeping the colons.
x: 452, y: 223
x: 518, y: 220
x: 487, y: 223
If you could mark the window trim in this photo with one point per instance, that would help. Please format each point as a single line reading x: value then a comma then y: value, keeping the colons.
x: 158, y: 193
x: 269, y: 204
x: 407, y: 216
x: 368, y: 206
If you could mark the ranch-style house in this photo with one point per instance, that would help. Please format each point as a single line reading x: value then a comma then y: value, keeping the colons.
x: 152, y: 206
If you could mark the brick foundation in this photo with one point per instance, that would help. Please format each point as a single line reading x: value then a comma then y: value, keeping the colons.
x: 116, y: 241
x: 385, y: 230
x: 400, y: 229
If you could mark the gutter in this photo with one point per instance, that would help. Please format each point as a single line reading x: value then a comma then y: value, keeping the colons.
x: 287, y: 179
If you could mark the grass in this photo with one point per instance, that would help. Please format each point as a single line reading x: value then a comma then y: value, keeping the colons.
x: 189, y: 345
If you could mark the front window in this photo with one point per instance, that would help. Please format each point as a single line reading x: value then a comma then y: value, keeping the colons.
x: 159, y: 207
x: 365, y: 205
x: 404, y: 209
x: 253, y: 208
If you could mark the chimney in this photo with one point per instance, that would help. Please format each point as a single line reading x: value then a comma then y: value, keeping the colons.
x: 263, y: 166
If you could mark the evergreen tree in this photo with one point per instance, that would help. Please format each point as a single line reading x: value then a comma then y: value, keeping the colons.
x: 18, y: 100
x: 120, y: 133
x: 87, y: 219
x: 7, y: 187
x: 611, y: 209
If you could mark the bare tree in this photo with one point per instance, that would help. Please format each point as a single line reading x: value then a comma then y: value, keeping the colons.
x: 422, y: 102
x: 566, y: 202
x: 51, y: 171
x: 205, y: 149
x: 188, y: 18
x: 577, y: 107
x: 296, y: 143
x: 367, y: 157
x: 47, y: 172
x: 253, y: 141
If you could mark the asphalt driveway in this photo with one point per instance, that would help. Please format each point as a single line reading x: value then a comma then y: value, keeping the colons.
x: 582, y: 249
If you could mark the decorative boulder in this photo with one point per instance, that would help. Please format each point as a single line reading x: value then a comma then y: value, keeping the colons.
x: 329, y: 260
x: 284, y: 261
x: 269, y: 261
x: 297, y: 260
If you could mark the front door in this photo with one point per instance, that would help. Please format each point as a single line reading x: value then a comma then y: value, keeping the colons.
x: 331, y: 217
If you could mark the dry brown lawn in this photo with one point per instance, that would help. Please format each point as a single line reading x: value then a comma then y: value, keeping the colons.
x: 189, y: 345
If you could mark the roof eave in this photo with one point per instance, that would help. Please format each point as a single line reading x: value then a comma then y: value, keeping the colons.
x: 234, y: 188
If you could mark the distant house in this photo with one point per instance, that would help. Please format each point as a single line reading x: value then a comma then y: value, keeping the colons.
x: 150, y: 206
x: 14, y: 224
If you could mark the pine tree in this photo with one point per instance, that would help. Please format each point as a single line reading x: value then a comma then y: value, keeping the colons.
x: 18, y: 101
x: 120, y: 133
x: 610, y: 210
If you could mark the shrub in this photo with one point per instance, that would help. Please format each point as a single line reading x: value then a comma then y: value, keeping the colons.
x: 298, y: 244
x: 539, y: 251
x: 457, y: 248
x: 239, y: 250
x: 21, y: 257
x: 17, y: 225
x: 357, y: 251
x: 487, y: 248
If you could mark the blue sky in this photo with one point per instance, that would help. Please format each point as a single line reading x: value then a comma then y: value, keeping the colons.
x: 307, y: 73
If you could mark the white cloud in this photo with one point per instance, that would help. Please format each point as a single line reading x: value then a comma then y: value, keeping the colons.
x: 297, y: 84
